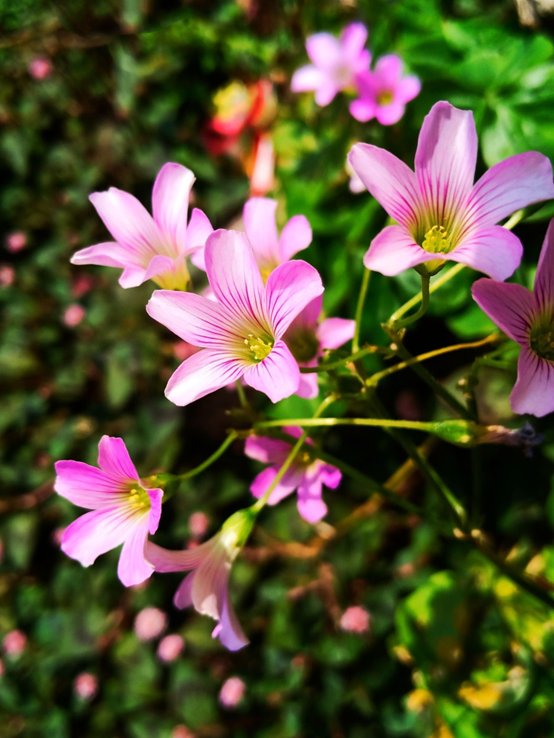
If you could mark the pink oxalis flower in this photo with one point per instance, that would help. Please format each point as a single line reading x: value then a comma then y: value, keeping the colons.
x: 232, y: 692
x: 145, y: 246
x: 384, y: 92
x: 14, y: 642
x: 40, y: 67
x: 170, y: 647
x: 305, y: 475
x: 355, y: 619
x: 335, y: 63
x: 441, y: 214
x: 150, y: 623
x: 206, y: 587
x: 124, y: 511
x: 307, y: 339
x: 527, y: 318
x: 85, y: 686
x: 242, y: 333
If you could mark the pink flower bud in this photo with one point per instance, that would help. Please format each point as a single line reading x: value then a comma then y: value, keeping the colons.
x: 14, y: 642
x: 198, y: 524
x: 16, y: 241
x: 7, y: 275
x: 85, y: 686
x: 73, y: 315
x: 40, y: 67
x: 170, y: 647
x: 355, y: 620
x: 150, y: 623
x: 232, y: 692
x: 181, y: 731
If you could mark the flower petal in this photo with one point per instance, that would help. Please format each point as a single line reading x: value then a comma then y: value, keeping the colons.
x: 493, y: 250
x: 533, y: 392
x: 330, y: 475
x: 96, y: 532
x: 308, y: 387
x: 230, y: 633
x: 129, y: 223
x: 109, y: 253
x: 259, y: 223
x: 388, y: 115
x: 295, y: 236
x: 363, y: 109
x: 277, y: 376
x: 508, y: 186
x: 326, y: 92
x: 209, y: 586
x: 307, y: 78
x: 389, y: 180
x: 155, y: 513
x: 289, y: 289
x: 394, y: 250
x: 509, y: 306
x: 310, y: 505
x: 133, y: 568
x: 544, y: 278
x: 159, y: 265
x: 235, y: 276
x: 198, y: 231
x: 352, y: 39
x: 183, y: 595
x: 114, y: 459
x: 86, y: 486
x: 324, y: 50
x: 170, y: 202
x: 445, y: 161
x: 388, y: 70
x: 266, y: 450
x: 290, y: 481
x: 202, y: 373
x: 132, y: 277
x: 334, y: 332
x: 407, y: 88
x: 164, y: 560
x: 194, y: 318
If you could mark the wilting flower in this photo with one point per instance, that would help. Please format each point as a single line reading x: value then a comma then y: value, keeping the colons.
x: 305, y: 475
x: 147, y: 247
x: 206, y: 587
x: 355, y: 619
x: 170, y: 647
x: 335, y: 63
x: 150, y: 623
x: 441, y: 214
x: 14, y: 642
x: 384, y: 92
x: 307, y: 339
x: 232, y: 692
x: 242, y: 333
x: 124, y: 511
x: 527, y: 318
x: 85, y: 686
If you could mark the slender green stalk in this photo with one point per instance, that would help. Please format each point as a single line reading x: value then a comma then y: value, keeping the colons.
x: 372, y: 422
x: 233, y: 435
x: 425, y: 278
x: 434, y: 286
x: 360, y: 310
x: 347, y: 360
x: 242, y: 395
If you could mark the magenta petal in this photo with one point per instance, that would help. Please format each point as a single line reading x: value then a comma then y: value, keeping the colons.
x: 408, y: 88
x: 308, y: 387
x: 388, y: 115
x: 109, y: 253
x: 183, y: 595
x: 198, y: 231
x: 230, y: 632
x: 194, y: 318
x: 266, y: 450
x: 494, y: 251
x: 544, y: 278
x: 363, y: 109
x: 330, y: 476
x: 388, y: 70
x: 352, y: 39
x: 259, y: 223
x: 394, y: 250
x: 155, y: 513
x: 284, y: 487
x: 201, y: 374
x: 445, y: 160
x: 307, y: 78
x: 324, y: 50
x: 86, y: 486
x: 508, y: 186
x: 164, y: 560
x: 97, y: 532
x: 389, y: 180
x: 132, y: 277
x: 509, y: 306
x: 296, y: 236
x: 289, y: 289
x: 170, y: 202
x: 310, y: 505
x: 234, y: 274
x: 133, y: 567
x: 533, y: 392
x: 114, y: 459
x: 326, y: 92
x: 334, y: 332
x: 277, y: 376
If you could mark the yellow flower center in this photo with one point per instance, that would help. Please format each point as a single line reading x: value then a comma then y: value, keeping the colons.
x: 541, y: 341
x: 385, y: 97
x: 265, y: 272
x: 259, y: 347
x: 139, y: 498
x: 437, y: 241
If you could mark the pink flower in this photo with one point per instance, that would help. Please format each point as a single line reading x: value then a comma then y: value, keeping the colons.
x: 263, y: 167
x: 441, y: 214
x: 16, y: 241
x: 14, y: 642
x: 355, y: 620
x: 336, y: 63
x: 170, y: 647
x: 527, y: 318
x: 242, y: 333
x: 307, y: 339
x: 147, y: 247
x: 384, y: 92
x: 199, y: 523
x: 40, y: 67
x: 304, y: 475
x: 7, y: 275
x: 123, y: 510
x: 85, y: 686
x: 73, y: 315
x: 206, y: 587
x: 232, y: 692
x: 150, y: 623
x: 270, y: 249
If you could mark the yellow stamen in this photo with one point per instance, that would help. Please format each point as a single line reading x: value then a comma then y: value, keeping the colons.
x: 385, y: 97
x: 541, y: 341
x: 437, y: 241
x: 259, y: 346
x: 139, y: 498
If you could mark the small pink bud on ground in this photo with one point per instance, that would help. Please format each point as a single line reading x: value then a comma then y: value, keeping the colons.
x: 355, y: 620
x: 7, y: 275
x: 40, y: 67
x: 170, y: 647
x: 181, y: 731
x: 198, y: 524
x: 150, y: 623
x: 85, y: 686
x: 14, y: 642
x: 232, y: 692
x: 16, y: 241
x: 73, y: 315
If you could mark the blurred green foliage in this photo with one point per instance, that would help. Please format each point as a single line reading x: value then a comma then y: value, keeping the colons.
x: 455, y: 648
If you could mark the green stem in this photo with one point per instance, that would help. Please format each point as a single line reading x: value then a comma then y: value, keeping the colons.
x: 242, y: 395
x: 233, y: 435
x: 412, y: 302
x: 347, y: 360
x: 359, y: 310
x: 373, y: 422
x: 425, y: 278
